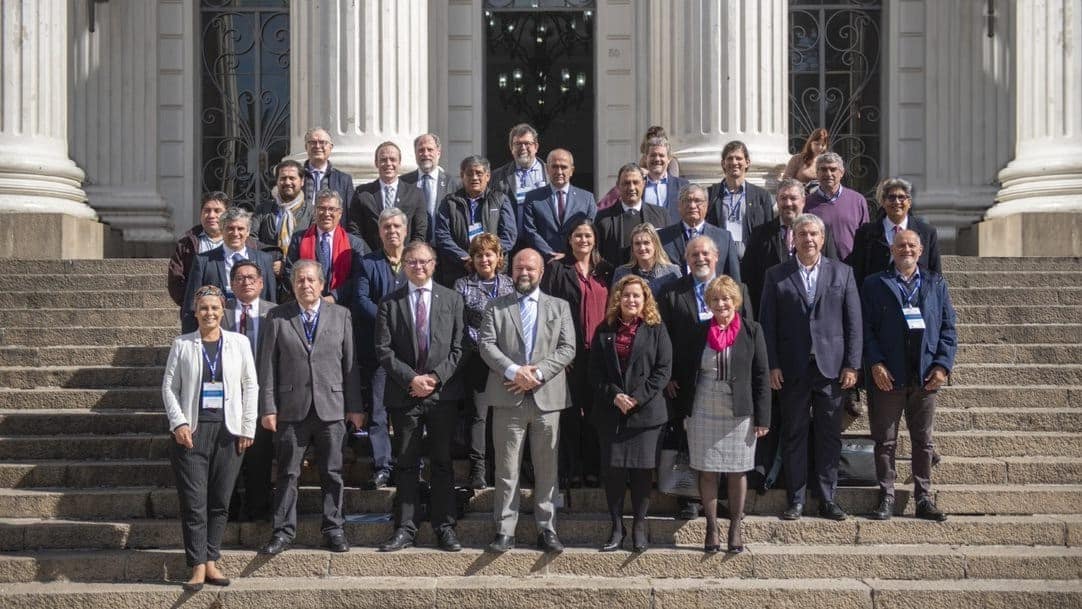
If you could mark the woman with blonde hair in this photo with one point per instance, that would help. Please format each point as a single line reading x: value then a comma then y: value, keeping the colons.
x: 648, y: 260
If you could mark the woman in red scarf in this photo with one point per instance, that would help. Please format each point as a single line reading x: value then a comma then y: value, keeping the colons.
x: 730, y: 409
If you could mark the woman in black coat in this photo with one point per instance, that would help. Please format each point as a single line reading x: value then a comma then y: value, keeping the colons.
x: 871, y: 243
x: 630, y: 363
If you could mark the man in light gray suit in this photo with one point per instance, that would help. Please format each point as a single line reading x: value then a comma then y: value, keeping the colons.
x: 527, y: 339
x: 308, y: 383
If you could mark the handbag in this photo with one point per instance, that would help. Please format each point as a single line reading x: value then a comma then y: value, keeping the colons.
x: 856, y: 465
x: 674, y: 474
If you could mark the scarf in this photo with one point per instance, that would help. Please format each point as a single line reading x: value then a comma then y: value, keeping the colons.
x: 287, y: 211
x: 720, y: 338
x: 341, y: 255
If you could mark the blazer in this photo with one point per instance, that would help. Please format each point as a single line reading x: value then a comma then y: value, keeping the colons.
x: 367, y: 205
x: 871, y: 251
x: 265, y: 226
x: 397, y: 354
x: 209, y: 269
x: 374, y: 283
x: 766, y: 248
x: 294, y: 379
x: 344, y: 293
x: 644, y: 378
x: 562, y: 281
x: 750, y: 372
x: 541, y: 229
x: 675, y: 241
x: 182, y: 383
x: 505, y: 179
x: 445, y: 184
x: 830, y: 329
x: 501, y: 345
x: 333, y: 179
x: 759, y: 207
x: 614, y: 230
x: 673, y: 186
x: 885, y: 330
x: 452, y: 240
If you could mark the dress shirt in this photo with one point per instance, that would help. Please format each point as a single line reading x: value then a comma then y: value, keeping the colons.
x: 697, y: 228
x: 657, y: 192
x: 315, y: 309
x: 413, y: 296
x: 389, y: 201
x: 736, y: 205
x: 229, y: 259
x: 888, y: 228
x: 320, y: 174
x: 810, y: 275
x: 206, y: 243
x: 433, y: 184
x: 556, y: 201
x: 529, y: 179
x: 627, y: 209
x: 700, y: 293
x: 512, y: 370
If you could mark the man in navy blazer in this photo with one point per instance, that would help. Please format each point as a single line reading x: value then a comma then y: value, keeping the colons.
x: 370, y: 199
x: 810, y: 315
x: 662, y: 189
x: 318, y: 172
x: 549, y: 211
x: 213, y: 267
x: 909, y: 347
x: 735, y: 204
x: 675, y: 238
x: 431, y: 179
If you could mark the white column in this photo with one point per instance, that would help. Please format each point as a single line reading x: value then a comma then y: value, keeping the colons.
x: 1046, y: 173
x: 718, y: 71
x: 114, y: 111
x: 360, y: 70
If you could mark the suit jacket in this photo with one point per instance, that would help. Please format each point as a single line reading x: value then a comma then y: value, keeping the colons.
x: 229, y: 323
x: 182, y: 383
x: 395, y: 331
x: 673, y: 185
x: 885, y: 329
x: 452, y: 240
x: 209, y: 269
x: 265, y: 226
x: 759, y: 208
x: 871, y: 250
x: 675, y: 241
x: 375, y: 282
x: 766, y: 248
x: 333, y: 179
x: 502, y: 345
x: 643, y: 378
x: 343, y: 294
x: 614, y: 230
x: 294, y: 378
x: 445, y: 185
x: 562, y: 281
x: 830, y: 329
x: 541, y: 229
x: 367, y: 205
x: 505, y: 180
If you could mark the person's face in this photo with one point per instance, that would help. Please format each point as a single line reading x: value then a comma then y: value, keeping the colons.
x: 790, y: 204
x: 582, y: 241
x: 906, y: 250
x: 642, y: 248
x: 808, y: 240
x: 247, y: 284
x: 723, y: 307
x: 632, y: 301
x: 657, y: 160
x: 387, y: 162
x: 485, y: 262
x: 818, y: 147
x: 427, y: 154
x: 307, y: 285
x: 208, y: 312
x: 693, y: 208
x: 702, y: 260
x: 559, y: 169
x: 896, y: 203
x: 235, y: 234
x: 524, y: 149
x: 318, y: 146
x: 475, y: 180
x: 830, y: 175
x: 208, y: 216
x: 526, y: 271
x: 419, y: 265
x: 735, y: 165
x: 289, y: 183
x: 392, y: 232
x: 328, y: 214
x: 630, y: 187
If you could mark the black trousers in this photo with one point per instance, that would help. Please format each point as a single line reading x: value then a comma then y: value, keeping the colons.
x: 884, y: 411
x: 255, y: 475
x: 439, y: 419
x: 205, y: 475
x: 580, y: 452
x: 825, y: 398
x: 291, y: 441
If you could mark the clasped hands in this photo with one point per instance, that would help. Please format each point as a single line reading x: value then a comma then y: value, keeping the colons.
x: 624, y: 402
x: 525, y: 380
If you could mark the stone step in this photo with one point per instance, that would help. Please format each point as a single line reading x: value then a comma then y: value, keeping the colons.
x: 1016, y: 354
x: 113, y: 399
x: 1030, y: 297
x: 113, y: 446
x: 973, y: 263
x: 1019, y: 334
x: 70, y: 282
x: 84, y: 356
x: 90, y: 318
x: 79, y: 336
x: 70, y: 423
x: 1000, y: 396
x: 1001, y: 444
x: 990, y: 419
x: 1044, y: 314
x: 1010, y: 279
x: 1017, y: 374
x: 82, y: 299
x: 81, y: 376
x: 107, y: 266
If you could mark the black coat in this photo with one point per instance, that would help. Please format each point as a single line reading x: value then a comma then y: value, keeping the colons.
x: 614, y: 230
x: 750, y: 373
x: 367, y: 205
x: 644, y: 378
x: 871, y: 252
x: 766, y: 248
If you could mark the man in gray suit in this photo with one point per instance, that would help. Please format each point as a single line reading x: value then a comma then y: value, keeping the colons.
x: 434, y: 182
x: 308, y: 383
x: 527, y: 339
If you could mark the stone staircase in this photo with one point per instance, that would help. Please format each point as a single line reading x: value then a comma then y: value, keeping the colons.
x: 88, y: 512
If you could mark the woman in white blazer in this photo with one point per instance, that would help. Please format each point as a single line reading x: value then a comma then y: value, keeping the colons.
x: 211, y: 395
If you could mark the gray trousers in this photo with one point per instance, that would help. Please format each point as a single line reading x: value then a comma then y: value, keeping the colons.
x: 510, y: 426
x: 205, y: 475
x: 291, y: 441
x: 885, y: 409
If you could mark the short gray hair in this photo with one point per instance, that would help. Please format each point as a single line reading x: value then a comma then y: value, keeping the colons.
x: 308, y: 134
x: 788, y: 183
x: 907, y: 231
x: 803, y: 219
x: 685, y: 192
x: 327, y: 193
x: 702, y: 239
x: 435, y: 140
x: 415, y: 245
x: 236, y: 214
x: 889, y: 184
x: 303, y: 264
x: 392, y: 212
x: 828, y: 158
x: 474, y: 160
x: 570, y: 157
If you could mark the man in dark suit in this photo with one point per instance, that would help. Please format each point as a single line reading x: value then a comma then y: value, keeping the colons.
x: 736, y: 205
x: 276, y: 221
x: 336, y: 250
x: 873, y: 241
x: 213, y: 267
x: 308, y: 384
x: 387, y: 191
x: 661, y: 188
x: 318, y: 172
x: 614, y: 224
x: 549, y: 211
x: 419, y: 345
x: 434, y: 182
x: 909, y: 346
x: 810, y: 315
x: 525, y: 172
x: 674, y: 238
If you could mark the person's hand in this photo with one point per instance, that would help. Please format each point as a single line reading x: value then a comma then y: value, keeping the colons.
x: 776, y: 379
x: 526, y: 378
x: 277, y: 267
x: 883, y: 379
x: 672, y: 389
x: 270, y: 422
x: 243, y: 444
x: 935, y: 379
x: 357, y: 418
x: 329, y: 299
x: 624, y: 402
x: 558, y: 256
x: 761, y: 431
x: 422, y: 386
x: 183, y: 436
x: 848, y: 378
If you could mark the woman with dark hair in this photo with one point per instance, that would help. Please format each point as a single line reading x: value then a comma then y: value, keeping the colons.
x: 630, y: 364
x: 872, y: 241
x: 802, y: 164
x: 582, y: 279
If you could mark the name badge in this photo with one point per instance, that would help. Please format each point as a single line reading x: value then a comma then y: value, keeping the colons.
x: 474, y: 230
x: 213, y: 396
x: 912, y: 318
x: 706, y: 315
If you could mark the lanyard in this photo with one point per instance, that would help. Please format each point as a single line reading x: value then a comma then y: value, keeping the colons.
x: 734, y: 210
x: 495, y: 287
x: 213, y: 366
x: 908, y: 296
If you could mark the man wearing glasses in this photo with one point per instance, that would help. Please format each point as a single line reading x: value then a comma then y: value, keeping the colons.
x: 328, y: 243
x: 524, y: 173
x: 318, y: 172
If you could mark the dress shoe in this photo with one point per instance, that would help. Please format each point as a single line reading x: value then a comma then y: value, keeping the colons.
x: 548, y: 542
x: 382, y: 479
x: 689, y: 511
x: 218, y: 581
x: 401, y: 539
x: 884, y: 510
x: 190, y: 587
x: 447, y: 540
x: 501, y: 544
x: 337, y: 543
x: 591, y: 481
x: 926, y: 510
x: 793, y: 512
x: 711, y: 533
x: 616, y: 539
x: 831, y: 511
x: 640, y: 537
x: 276, y: 545
x: 477, y: 480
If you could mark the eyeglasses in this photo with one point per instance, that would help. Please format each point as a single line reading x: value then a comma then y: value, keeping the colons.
x: 523, y: 144
x: 318, y: 143
x: 247, y: 278
x: 897, y: 197
x: 328, y: 210
x: 418, y: 262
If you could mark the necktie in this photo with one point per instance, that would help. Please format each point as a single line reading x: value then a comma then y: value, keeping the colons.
x: 692, y: 233
x: 325, y: 253
x: 237, y: 258
x: 894, y: 233
x: 426, y: 187
x: 561, y: 206
x: 310, y: 326
x: 317, y: 177
x: 420, y: 326
x: 528, y: 310
x: 388, y: 197
x: 246, y: 327
x: 788, y: 240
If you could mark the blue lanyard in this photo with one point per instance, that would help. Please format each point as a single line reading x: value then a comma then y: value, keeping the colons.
x: 909, y: 297
x: 495, y: 287
x: 310, y: 327
x: 734, y: 210
x: 700, y: 295
x: 217, y: 359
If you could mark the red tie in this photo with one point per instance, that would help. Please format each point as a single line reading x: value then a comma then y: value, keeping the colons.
x: 244, y: 318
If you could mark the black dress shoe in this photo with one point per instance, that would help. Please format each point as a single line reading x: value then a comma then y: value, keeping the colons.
x: 548, y: 542
x: 616, y: 540
x: 926, y: 510
x: 447, y: 540
x: 189, y: 587
x: 337, y: 543
x: 382, y: 479
x: 477, y: 480
x: 276, y: 545
x: 501, y: 544
x: 218, y: 581
x: 884, y: 510
x: 401, y: 539
x: 793, y: 512
x: 640, y: 538
x: 831, y: 511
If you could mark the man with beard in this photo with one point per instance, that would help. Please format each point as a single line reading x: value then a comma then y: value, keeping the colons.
x: 276, y: 221
x: 527, y: 339
x: 524, y: 173
x: 662, y: 189
x: 434, y: 182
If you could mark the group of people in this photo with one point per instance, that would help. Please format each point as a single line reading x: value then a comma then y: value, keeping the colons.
x: 511, y: 301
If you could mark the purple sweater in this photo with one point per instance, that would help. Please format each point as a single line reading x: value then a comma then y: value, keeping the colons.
x: 843, y: 216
